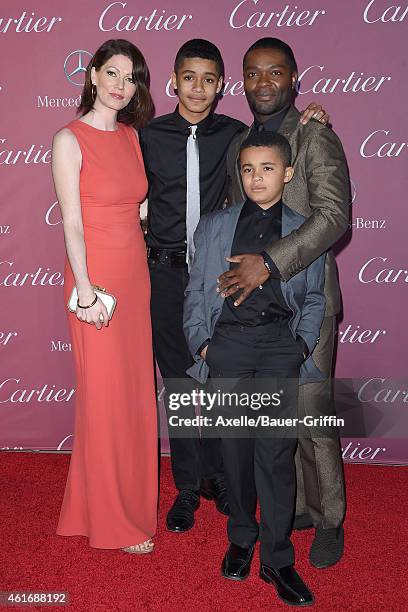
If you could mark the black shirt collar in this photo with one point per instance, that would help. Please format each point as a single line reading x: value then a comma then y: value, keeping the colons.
x: 184, y: 125
x: 273, y: 124
x: 273, y: 212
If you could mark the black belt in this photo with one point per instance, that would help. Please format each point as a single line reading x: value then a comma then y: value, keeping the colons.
x: 168, y: 257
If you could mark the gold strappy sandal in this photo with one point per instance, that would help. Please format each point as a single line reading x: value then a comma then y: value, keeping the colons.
x: 140, y: 549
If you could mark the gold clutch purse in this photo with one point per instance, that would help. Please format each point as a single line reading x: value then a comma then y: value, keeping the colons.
x: 107, y: 299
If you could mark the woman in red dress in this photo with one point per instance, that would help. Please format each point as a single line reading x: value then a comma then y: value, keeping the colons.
x: 111, y: 492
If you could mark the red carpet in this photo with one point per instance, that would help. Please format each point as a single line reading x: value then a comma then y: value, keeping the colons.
x: 183, y: 572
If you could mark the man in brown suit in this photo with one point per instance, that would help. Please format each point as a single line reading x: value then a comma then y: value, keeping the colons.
x: 320, y: 191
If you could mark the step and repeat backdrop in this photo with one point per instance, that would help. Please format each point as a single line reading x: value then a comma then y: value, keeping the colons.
x: 352, y: 60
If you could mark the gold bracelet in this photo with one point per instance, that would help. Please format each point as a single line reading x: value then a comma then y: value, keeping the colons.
x: 90, y: 305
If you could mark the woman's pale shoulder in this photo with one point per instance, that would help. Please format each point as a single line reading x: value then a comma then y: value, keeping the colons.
x: 65, y: 138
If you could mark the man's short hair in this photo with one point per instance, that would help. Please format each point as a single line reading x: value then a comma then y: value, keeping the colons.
x: 274, y: 43
x: 273, y: 140
x: 198, y: 47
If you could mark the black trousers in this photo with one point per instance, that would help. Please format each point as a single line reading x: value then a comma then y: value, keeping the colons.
x: 192, y: 458
x: 260, y: 466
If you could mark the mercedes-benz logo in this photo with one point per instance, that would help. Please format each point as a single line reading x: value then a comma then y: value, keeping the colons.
x: 75, y: 66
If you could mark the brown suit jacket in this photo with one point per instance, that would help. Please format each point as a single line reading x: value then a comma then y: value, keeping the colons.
x: 319, y: 190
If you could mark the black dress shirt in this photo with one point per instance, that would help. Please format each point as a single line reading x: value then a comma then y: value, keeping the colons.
x: 257, y: 228
x: 273, y: 123
x: 163, y: 144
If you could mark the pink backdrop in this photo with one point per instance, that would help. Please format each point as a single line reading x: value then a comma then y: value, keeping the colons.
x: 351, y: 60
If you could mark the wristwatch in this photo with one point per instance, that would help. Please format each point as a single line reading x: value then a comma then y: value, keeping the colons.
x: 270, y: 265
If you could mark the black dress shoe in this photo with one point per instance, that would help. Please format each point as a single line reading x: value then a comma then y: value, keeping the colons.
x: 290, y: 587
x: 302, y: 521
x: 181, y: 515
x: 236, y: 564
x: 214, y: 488
x: 327, y: 547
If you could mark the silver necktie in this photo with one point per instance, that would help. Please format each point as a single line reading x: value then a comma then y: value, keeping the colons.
x: 193, y: 192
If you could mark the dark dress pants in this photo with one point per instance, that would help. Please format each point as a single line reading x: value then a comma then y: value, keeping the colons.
x: 192, y: 458
x: 259, y: 466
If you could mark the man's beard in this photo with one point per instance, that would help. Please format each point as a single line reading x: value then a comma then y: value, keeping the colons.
x: 280, y: 101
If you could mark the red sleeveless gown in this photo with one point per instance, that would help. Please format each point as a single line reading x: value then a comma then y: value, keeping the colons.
x: 111, y: 492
